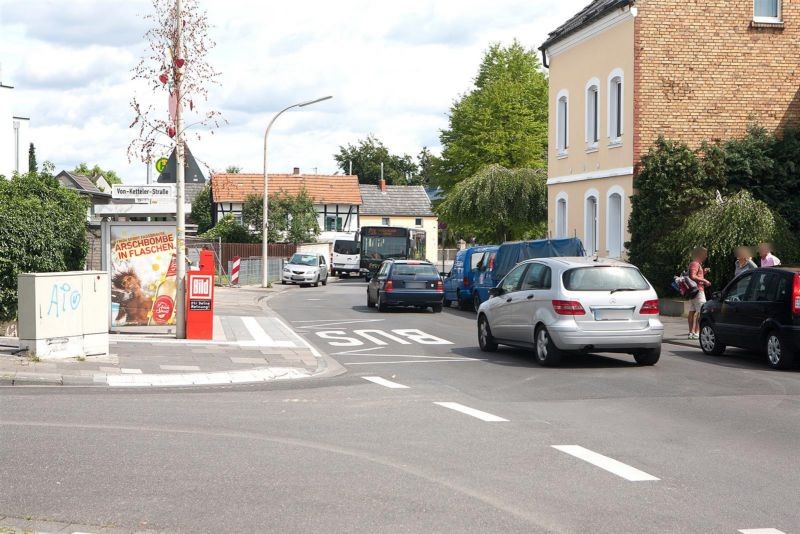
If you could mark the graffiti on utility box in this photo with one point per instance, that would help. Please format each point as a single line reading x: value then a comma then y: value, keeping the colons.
x: 63, y: 299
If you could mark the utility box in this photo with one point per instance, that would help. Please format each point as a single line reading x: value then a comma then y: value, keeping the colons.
x: 200, y: 299
x: 63, y: 315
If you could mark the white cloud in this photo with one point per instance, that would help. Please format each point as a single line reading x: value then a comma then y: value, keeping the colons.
x: 394, y: 69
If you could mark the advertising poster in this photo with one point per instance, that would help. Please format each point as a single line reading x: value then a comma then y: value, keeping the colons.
x: 143, y: 272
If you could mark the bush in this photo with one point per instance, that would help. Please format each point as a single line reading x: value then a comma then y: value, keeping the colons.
x: 723, y: 226
x: 201, y: 210
x: 229, y: 230
x: 42, y: 229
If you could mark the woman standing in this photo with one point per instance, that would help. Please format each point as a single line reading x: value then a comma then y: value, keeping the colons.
x: 744, y: 261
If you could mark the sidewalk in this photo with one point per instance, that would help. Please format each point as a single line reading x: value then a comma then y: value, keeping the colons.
x: 250, y: 344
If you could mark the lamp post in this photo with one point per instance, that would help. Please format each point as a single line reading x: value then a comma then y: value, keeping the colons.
x: 264, y: 247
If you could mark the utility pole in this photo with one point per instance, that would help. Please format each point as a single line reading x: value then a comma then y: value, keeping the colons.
x: 180, y: 208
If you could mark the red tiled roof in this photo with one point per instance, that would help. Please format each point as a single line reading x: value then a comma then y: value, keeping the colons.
x: 324, y: 189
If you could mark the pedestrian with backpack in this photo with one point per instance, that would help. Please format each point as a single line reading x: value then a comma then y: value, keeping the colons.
x: 697, y: 274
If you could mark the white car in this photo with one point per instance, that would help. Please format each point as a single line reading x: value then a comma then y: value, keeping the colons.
x: 583, y: 304
x: 346, y: 259
x: 305, y: 269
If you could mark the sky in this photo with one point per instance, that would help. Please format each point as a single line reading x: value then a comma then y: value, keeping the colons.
x: 393, y: 69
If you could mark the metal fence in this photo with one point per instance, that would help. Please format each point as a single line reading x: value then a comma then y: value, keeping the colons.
x: 250, y: 270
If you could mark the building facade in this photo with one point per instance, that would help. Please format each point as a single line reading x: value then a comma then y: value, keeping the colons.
x: 405, y: 206
x: 623, y: 72
x: 337, y: 199
x: 14, y: 135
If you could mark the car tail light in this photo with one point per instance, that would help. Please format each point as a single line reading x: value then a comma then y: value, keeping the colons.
x: 568, y: 307
x: 650, y: 307
x: 796, y: 295
x: 466, y: 281
x: 439, y: 286
x: 388, y: 286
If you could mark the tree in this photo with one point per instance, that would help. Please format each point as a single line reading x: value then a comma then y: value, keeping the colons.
x: 96, y: 172
x: 723, y: 226
x: 201, y: 210
x: 499, y: 204
x: 366, y: 157
x: 42, y: 229
x: 292, y: 218
x: 428, y: 167
x: 503, y: 120
x: 32, y: 165
x: 233, y: 169
x: 229, y: 230
x: 180, y: 81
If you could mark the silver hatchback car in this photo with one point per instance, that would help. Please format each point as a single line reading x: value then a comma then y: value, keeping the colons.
x: 558, y: 305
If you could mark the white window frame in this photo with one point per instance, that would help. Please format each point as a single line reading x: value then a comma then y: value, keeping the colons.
x: 562, y: 123
x: 592, y: 86
x: 591, y: 193
x: 615, y: 190
x: 562, y: 229
x: 769, y: 20
x: 418, y: 222
x: 613, y: 120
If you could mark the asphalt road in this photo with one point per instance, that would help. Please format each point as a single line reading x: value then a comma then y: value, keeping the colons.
x: 694, y: 444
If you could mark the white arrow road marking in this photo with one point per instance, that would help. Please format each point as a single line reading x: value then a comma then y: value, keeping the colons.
x: 604, y: 462
x: 761, y: 531
x: 383, y: 382
x: 483, y: 416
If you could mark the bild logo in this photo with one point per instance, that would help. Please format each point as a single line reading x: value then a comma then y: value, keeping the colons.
x: 201, y: 287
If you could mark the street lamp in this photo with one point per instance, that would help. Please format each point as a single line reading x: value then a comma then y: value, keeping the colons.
x: 264, y: 244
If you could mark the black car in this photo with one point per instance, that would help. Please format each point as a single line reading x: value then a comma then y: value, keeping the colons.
x: 406, y: 283
x: 759, y: 310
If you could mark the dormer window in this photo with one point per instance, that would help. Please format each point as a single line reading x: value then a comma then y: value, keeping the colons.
x: 768, y: 11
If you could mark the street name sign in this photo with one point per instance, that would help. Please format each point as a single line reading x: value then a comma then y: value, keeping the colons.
x: 144, y: 193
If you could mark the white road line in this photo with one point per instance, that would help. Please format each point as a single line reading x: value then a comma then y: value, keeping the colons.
x: 125, y: 371
x: 420, y: 356
x: 761, y: 531
x: 355, y: 351
x: 300, y: 338
x: 256, y: 331
x: 483, y: 416
x: 339, y: 320
x: 604, y: 462
x: 414, y: 361
x: 383, y: 382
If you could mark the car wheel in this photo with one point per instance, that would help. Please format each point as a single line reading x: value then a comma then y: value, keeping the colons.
x: 778, y: 354
x: 325, y: 282
x: 437, y: 308
x: 485, y: 338
x: 463, y: 305
x: 370, y: 302
x: 382, y: 307
x: 547, y: 353
x: 476, y: 302
x: 316, y: 282
x: 283, y: 282
x: 709, y: 341
x: 647, y: 356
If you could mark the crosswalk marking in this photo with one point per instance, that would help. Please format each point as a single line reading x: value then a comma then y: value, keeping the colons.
x: 604, y: 462
x: 256, y: 331
x: 483, y: 416
x: 383, y: 382
x: 761, y: 531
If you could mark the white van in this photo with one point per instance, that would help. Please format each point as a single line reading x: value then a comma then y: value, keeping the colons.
x: 346, y: 257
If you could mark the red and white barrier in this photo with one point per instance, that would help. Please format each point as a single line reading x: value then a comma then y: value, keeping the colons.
x: 235, y: 271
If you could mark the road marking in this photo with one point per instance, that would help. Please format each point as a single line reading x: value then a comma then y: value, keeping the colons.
x: 356, y: 351
x: 255, y: 330
x: 604, y: 462
x: 125, y: 371
x: 416, y: 361
x: 367, y: 334
x: 383, y: 382
x: 180, y: 367
x: 483, y: 416
x: 300, y: 338
x: 761, y: 531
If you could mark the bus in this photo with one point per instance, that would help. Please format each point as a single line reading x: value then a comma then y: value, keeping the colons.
x: 379, y: 243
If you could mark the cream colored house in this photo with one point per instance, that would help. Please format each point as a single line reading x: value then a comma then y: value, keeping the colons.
x: 590, y: 160
x: 403, y: 206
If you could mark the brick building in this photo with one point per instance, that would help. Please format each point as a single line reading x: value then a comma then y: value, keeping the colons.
x: 623, y: 72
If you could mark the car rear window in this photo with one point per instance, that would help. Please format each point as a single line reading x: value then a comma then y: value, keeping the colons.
x: 410, y: 269
x: 346, y: 247
x: 599, y: 278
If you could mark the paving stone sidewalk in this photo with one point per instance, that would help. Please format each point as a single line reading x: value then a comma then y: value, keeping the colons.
x: 250, y: 344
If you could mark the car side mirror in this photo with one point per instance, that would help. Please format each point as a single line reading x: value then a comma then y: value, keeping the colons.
x: 495, y: 292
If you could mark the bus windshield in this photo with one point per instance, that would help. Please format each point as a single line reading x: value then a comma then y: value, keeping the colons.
x: 384, y: 248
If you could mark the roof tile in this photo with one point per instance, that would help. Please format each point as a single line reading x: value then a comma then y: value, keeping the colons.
x: 324, y: 189
x: 397, y: 200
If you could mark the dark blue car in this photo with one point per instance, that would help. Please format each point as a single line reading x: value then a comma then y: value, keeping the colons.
x: 406, y: 283
x: 470, y: 267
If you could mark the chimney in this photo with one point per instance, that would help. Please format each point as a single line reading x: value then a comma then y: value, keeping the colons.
x: 296, y: 171
x: 382, y: 184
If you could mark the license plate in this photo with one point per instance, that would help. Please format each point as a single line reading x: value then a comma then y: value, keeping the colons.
x: 298, y: 278
x: 416, y: 285
x: 611, y: 314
